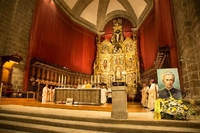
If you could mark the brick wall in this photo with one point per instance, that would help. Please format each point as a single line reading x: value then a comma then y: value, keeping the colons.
x: 15, y: 25
x: 186, y: 15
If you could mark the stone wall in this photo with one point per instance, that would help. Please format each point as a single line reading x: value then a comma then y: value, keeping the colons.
x: 15, y: 26
x: 186, y: 15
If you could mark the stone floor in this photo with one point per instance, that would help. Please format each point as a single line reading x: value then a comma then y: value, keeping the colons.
x: 137, y: 121
x: 78, y: 113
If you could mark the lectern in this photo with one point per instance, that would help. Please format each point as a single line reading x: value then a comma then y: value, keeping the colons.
x: 119, y: 101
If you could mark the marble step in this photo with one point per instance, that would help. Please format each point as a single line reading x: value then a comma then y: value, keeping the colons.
x: 32, y: 122
x: 149, y: 122
x: 23, y: 127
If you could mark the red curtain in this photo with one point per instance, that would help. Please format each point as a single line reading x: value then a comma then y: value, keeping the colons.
x: 56, y: 39
x: 158, y: 31
x: 165, y: 34
x: 148, y: 47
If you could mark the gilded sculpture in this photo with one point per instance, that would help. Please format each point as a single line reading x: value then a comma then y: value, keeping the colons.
x: 117, y: 60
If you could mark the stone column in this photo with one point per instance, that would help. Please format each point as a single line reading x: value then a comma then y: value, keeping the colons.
x: 119, y: 102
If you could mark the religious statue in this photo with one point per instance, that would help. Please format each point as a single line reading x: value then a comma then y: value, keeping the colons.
x: 117, y: 35
x: 118, y: 73
x: 117, y: 29
x: 105, y: 64
x: 129, y: 63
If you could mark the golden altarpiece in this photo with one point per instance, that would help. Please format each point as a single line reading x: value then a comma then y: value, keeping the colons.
x: 117, y: 60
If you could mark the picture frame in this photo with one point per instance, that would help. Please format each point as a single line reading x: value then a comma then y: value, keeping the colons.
x: 174, y: 86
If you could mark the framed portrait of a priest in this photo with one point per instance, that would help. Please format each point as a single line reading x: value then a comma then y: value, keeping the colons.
x: 169, y: 83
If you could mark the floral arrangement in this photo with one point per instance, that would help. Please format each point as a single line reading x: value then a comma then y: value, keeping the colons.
x: 176, y: 109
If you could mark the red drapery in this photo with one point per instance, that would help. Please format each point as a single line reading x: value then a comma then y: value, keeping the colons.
x: 157, y: 31
x: 148, y: 47
x: 56, y: 39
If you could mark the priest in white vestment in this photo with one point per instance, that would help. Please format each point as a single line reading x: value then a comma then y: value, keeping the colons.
x: 144, y: 93
x: 51, y: 94
x: 84, y: 85
x: 153, y: 94
x: 45, y: 94
x: 103, y: 95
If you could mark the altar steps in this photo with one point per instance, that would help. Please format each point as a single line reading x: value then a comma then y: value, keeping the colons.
x: 18, y: 101
x: 31, y: 120
x: 132, y: 106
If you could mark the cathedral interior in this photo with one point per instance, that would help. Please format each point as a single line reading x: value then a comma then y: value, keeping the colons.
x: 66, y: 43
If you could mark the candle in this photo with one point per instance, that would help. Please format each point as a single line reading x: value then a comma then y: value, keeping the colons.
x: 95, y: 79
x: 98, y: 79
x: 91, y: 78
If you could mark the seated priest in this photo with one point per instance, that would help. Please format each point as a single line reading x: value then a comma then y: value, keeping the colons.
x: 84, y: 85
x: 88, y: 86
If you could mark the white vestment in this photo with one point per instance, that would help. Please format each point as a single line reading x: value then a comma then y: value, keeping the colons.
x: 51, y: 95
x: 153, y: 95
x: 45, y: 94
x: 103, y: 95
x: 83, y: 86
x: 144, y: 99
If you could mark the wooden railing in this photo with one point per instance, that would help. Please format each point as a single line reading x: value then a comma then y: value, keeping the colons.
x: 42, y: 73
x: 162, y: 61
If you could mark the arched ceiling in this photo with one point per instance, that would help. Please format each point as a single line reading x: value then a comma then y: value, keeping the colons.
x: 94, y: 14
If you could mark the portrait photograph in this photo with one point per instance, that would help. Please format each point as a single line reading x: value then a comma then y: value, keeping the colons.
x: 169, y: 83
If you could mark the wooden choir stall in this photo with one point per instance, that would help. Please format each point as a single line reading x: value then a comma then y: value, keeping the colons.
x: 65, y: 84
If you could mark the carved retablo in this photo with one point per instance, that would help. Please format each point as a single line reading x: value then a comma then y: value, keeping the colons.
x: 117, y: 59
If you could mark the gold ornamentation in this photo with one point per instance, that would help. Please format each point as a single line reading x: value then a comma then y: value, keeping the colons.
x: 116, y: 60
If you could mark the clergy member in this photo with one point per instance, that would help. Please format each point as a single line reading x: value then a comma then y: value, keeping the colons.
x: 144, y: 93
x: 45, y: 94
x: 153, y: 94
